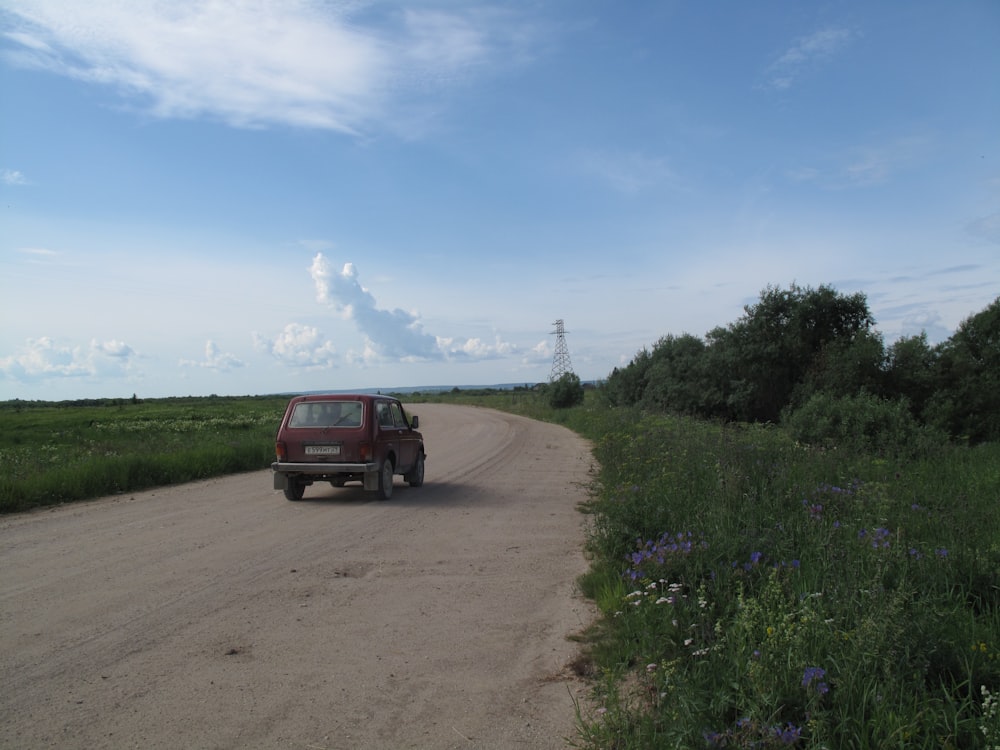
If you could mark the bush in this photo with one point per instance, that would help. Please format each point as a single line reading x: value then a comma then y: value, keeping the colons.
x: 567, y: 391
x: 862, y: 423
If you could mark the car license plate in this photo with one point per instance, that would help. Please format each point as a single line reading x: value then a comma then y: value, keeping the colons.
x: 322, y: 450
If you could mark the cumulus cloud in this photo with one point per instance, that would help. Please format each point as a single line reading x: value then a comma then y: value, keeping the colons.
x: 298, y: 346
x: 44, y: 358
x: 805, y: 53
x: 305, y: 63
x: 391, y: 334
x: 395, y: 334
x: 215, y: 359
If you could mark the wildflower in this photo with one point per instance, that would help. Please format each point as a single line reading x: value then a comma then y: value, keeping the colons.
x: 651, y: 667
x: 942, y: 552
x: 813, y: 677
x: 789, y: 735
x: 665, y: 600
x: 688, y: 641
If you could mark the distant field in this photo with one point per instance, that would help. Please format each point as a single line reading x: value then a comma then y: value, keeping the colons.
x: 58, y: 452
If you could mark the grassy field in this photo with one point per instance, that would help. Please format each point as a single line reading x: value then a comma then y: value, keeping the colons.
x: 754, y: 592
x: 55, y: 453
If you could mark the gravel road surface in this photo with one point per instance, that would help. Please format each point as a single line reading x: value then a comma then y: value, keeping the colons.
x: 219, y: 615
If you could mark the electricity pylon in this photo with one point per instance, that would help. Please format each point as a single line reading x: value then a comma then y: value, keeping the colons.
x: 560, y: 360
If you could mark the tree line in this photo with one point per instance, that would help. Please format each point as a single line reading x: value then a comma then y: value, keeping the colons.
x: 813, y: 359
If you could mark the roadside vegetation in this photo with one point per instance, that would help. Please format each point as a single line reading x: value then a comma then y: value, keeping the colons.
x: 60, y: 452
x: 795, y: 535
x: 794, y: 532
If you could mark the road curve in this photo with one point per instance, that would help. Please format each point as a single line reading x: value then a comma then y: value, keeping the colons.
x: 219, y: 615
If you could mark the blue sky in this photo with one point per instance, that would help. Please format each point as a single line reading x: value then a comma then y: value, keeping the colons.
x: 256, y: 197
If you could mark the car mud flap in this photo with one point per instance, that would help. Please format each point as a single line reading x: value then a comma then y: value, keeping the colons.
x: 280, y: 480
x: 371, y: 480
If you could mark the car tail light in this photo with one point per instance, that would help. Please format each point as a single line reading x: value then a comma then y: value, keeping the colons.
x: 365, y: 452
x: 281, y: 451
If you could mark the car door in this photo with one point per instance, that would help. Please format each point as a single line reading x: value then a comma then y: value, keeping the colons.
x: 408, y: 442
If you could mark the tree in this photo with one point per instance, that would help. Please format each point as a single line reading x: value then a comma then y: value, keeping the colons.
x: 625, y: 386
x: 566, y: 391
x: 966, y: 401
x: 675, y: 375
x: 771, y: 349
x: 910, y: 366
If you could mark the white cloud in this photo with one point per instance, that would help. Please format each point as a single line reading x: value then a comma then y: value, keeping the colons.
x: 298, y: 346
x: 43, y: 358
x: 476, y: 348
x: 394, y: 335
x: 806, y: 52
x: 215, y: 359
x: 12, y: 177
x: 254, y: 63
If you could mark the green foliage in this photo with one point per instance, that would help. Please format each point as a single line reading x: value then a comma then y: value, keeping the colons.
x: 797, y: 343
x: 565, y: 392
x: 910, y: 368
x: 861, y: 423
x: 774, y: 595
x: 675, y: 376
x: 966, y: 400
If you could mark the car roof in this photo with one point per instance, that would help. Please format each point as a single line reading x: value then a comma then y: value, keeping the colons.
x: 341, y: 397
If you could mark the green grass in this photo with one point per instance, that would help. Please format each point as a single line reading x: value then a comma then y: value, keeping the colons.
x: 53, y: 453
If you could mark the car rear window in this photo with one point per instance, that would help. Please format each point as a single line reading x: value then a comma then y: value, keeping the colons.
x: 326, y: 414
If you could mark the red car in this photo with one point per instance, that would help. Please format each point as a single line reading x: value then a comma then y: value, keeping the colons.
x: 344, y: 438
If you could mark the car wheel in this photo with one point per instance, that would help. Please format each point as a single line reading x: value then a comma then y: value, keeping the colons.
x: 294, y: 490
x: 415, y: 476
x: 385, y: 480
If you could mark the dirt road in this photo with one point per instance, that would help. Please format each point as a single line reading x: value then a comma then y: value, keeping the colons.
x: 220, y: 615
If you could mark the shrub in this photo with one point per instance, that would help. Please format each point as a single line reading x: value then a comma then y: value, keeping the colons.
x: 567, y: 391
x: 861, y: 423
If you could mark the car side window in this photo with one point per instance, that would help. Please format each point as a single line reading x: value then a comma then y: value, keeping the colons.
x: 397, y: 415
x: 383, y: 414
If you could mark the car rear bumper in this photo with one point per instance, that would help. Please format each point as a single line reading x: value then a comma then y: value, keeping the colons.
x: 321, y: 471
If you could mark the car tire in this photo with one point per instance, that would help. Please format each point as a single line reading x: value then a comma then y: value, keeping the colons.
x: 294, y: 490
x: 385, y: 480
x: 415, y: 476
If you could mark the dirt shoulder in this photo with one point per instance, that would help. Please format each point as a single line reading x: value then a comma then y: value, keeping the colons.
x: 219, y: 615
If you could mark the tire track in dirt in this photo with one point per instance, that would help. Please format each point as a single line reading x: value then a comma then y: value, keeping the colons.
x: 217, y: 614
